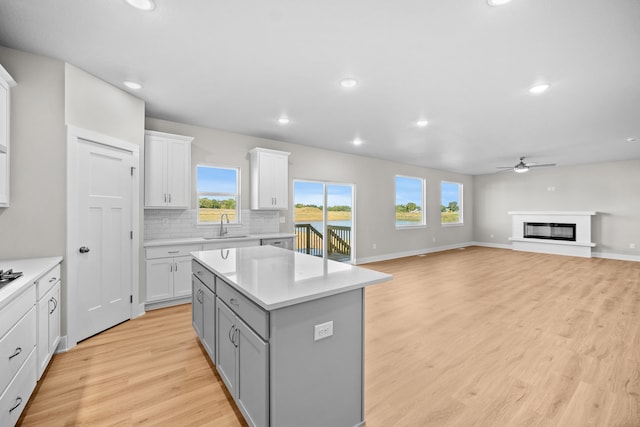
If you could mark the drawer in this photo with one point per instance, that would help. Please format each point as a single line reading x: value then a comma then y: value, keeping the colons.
x: 285, y: 242
x: 204, y: 275
x: 16, y: 346
x: 16, y: 396
x: 46, y: 282
x: 171, y: 251
x: 13, y: 312
x: 254, y: 316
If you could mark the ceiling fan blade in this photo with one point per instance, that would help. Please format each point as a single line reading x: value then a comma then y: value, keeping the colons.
x: 504, y: 167
x: 541, y: 165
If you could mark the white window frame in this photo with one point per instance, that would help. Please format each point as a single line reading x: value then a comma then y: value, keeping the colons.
x: 235, y: 195
x: 423, y: 220
x: 460, y: 205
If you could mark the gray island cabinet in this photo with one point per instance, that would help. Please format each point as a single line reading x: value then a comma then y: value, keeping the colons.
x: 285, y: 331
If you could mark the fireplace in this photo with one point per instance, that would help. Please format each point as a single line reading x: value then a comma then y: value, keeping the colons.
x: 549, y: 231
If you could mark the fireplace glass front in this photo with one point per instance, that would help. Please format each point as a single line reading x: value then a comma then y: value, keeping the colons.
x: 550, y: 230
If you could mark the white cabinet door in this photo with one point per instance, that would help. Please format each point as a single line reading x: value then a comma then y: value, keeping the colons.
x: 279, y: 166
x: 6, y: 82
x: 48, y: 327
x: 197, y: 307
x: 178, y: 174
x: 155, y: 180
x: 182, y: 276
x: 159, y: 279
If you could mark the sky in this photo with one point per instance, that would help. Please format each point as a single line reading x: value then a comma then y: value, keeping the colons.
x: 408, y: 190
x: 217, y: 180
x: 450, y: 193
x: 310, y: 193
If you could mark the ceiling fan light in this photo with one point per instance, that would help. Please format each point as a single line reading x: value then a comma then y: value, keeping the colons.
x: 521, y: 169
x: 497, y: 2
x: 540, y: 88
x: 146, y: 5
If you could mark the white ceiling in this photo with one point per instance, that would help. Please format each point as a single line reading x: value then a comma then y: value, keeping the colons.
x: 238, y: 65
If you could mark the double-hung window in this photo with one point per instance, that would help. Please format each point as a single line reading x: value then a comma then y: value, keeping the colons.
x: 218, y: 192
x: 451, y: 202
x: 410, y: 201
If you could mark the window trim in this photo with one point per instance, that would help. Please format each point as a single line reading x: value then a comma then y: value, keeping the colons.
x: 460, y: 221
x: 237, y: 195
x: 423, y: 201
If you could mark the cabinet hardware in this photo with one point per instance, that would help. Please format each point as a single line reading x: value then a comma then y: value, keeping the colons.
x: 165, y: 197
x: 83, y: 250
x: 199, y: 273
x: 231, y: 333
x: 15, y: 353
x: 173, y: 252
x: 169, y: 197
x: 234, y: 302
x: 236, y: 340
x: 55, y: 304
x: 176, y: 264
x: 18, y: 403
x: 53, y: 279
x: 171, y: 268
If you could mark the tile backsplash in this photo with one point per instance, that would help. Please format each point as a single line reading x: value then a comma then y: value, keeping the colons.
x: 176, y: 224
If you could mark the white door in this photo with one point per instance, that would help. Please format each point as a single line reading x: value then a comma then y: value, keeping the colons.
x: 104, y: 246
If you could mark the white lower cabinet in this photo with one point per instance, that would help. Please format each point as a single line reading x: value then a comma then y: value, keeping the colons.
x: 48, y: 327
x: 243, y: 365
x: 15, y: 397
x: 168, y: 278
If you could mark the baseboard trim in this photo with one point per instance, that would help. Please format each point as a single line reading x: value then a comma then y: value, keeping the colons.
x: 619, y: 257
x: 405, y: 254
x: 492, y: 245
x: 167, y: 303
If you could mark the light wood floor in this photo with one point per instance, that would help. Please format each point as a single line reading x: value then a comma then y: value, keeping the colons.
x: 474, y: 337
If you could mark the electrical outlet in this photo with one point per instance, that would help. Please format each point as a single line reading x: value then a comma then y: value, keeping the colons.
x: 283, y: 220
x: 323, y: 330
x: 165, y: 222
x: 632, y: 245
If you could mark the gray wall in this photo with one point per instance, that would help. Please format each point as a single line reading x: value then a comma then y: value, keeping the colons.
x: 374, y: 180
x: 610, y: 188
x: 35, y: 223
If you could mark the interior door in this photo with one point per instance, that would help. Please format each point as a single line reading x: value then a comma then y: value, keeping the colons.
x: 104, y: 252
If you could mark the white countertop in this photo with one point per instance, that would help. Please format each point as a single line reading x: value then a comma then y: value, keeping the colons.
x: 32, y: 269
x: 191, y: 240
x: 274, y: 277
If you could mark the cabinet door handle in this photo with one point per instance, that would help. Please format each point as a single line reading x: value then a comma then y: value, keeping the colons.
x: 231, y: 333
x: 171, y: 268
x: 53, y: 279
x: 18, y: 403
x: 55, y: 304
x: 165, y: 197
x: 15, y: 353
x: 176, y: 268
x: 234, y: 302
x: 169, y: 197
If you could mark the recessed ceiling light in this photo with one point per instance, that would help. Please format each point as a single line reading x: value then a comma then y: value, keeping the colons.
x: 348, y: 83
x: 422, y: 123
x: 540, y: 88
x: 357, y: 141
x: 497, y: 2
x: 284, y: 120
x: 632, y: 139
x: 132, y: 85
x: 146, y: 5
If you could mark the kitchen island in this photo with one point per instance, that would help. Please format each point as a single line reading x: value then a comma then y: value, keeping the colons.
x: 286, y: 333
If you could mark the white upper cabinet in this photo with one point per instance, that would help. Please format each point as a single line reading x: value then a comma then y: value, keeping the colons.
x: 269, y: 179
x: 6, y: 83
x: 167, y: 170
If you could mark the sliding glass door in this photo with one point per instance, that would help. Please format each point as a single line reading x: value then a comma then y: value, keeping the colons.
x: 324, y: 219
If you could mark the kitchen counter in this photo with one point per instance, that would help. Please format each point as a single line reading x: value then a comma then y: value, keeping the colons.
x: 275, y: 278
x: 31, y: 268
x: 190, y: 240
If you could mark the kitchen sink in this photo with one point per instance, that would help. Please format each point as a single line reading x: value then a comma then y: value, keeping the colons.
x: 224, y: 237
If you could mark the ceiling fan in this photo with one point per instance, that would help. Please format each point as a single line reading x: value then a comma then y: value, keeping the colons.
x: 523, y: 166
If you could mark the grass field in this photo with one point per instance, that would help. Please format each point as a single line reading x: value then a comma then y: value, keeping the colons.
x: 450, y: 217
x: 213, y: 215
x: 309, y: 214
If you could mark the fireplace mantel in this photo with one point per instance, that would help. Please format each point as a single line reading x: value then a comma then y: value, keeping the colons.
x: 581, y: 247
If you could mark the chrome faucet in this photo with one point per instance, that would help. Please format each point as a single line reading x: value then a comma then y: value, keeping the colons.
x: 223, y: 229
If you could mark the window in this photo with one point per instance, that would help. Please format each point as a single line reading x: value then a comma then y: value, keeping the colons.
x: 451, y: 202
x: 218, y: 191
x: 410, y: 197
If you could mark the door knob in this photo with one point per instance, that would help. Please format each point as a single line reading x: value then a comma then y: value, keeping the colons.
x: 84, y: 250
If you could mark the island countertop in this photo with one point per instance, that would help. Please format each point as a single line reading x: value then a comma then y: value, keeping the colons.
x: 274, y: 277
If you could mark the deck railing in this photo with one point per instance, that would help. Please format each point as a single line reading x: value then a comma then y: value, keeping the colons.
x: 309, y: 240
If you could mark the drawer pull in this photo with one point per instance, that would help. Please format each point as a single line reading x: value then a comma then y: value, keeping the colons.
x: 199, y: 273
x: 234, y: 301
x: 173, y: 252
x: 15, y: 353
x: 53, y: 279
x: 18, y: 403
